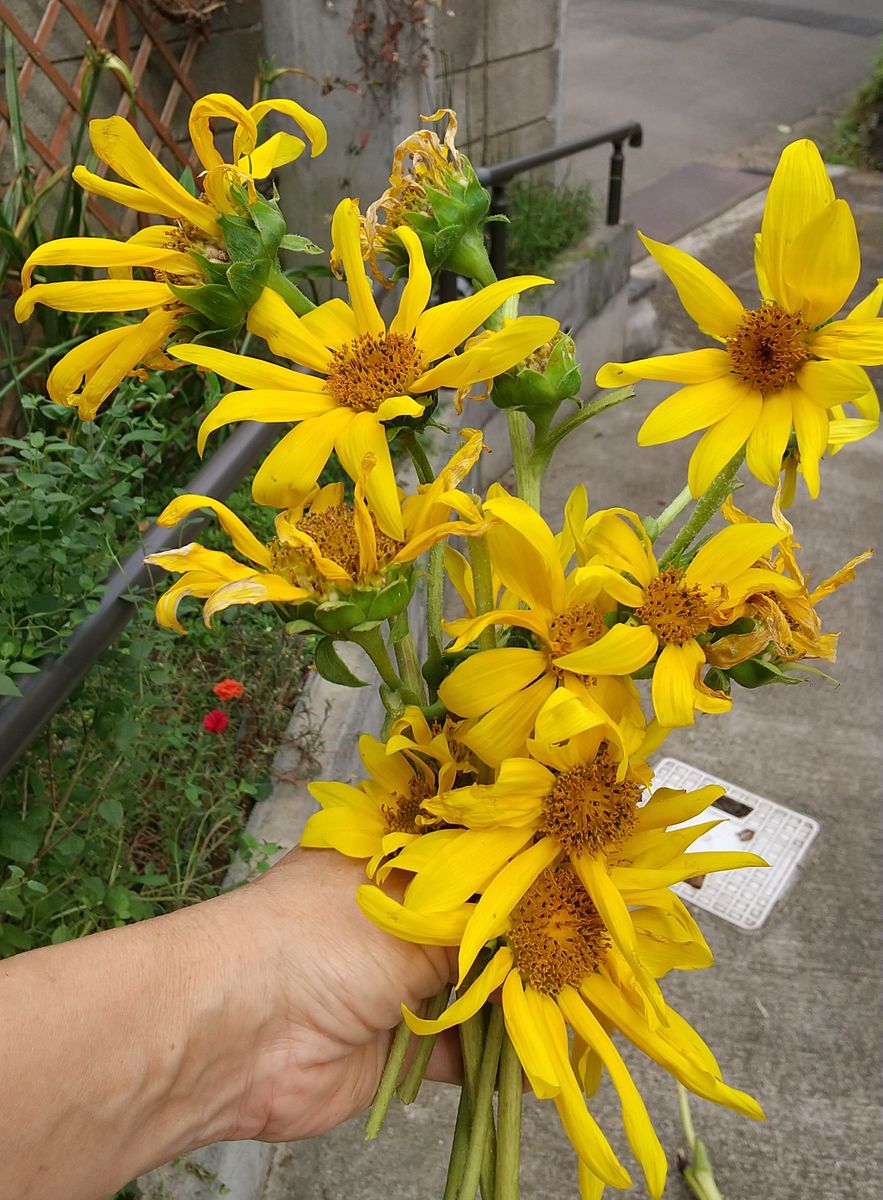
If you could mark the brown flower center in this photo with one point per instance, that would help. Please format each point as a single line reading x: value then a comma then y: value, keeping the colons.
x: 334, y: 532
x: 371, y: 368
x: 577, y: 627
x: 589, y: 809
x: 403, y: 808
x: 768, y: 347
x: 557, y: 936
x: 674, y: 610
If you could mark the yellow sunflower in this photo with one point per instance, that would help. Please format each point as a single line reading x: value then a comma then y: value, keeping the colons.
x: 789, y: 621
x: 680, y: 608
x: 567, y: 919
x: 785, y: 367
x: 171, y: 254
x: 369, y: 375
x: 507, y: 688
x: 325, y: 551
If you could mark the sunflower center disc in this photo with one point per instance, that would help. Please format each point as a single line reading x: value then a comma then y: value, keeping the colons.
x: 589, y: 809
x: 371, y: 368
x: 557, y: 936
x: 403, y: 808
x: 334, y: 532
x: 674, y: 611
x: 580, y: 626
x: 768, y: 347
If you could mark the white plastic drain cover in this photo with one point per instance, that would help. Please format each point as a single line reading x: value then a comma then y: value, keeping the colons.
x: 778, y: 834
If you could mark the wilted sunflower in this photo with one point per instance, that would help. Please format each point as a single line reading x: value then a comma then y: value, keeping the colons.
x: 369, y: 374
x: 179, y: 254
x: 325, y: 552
x: 785, y: 368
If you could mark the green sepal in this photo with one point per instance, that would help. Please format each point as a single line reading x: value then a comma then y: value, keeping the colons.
x: 241, y: 240
x: 213, y: 301
x: 331, y: 666
x: 388, y: 601
x: 187, y: 181
x: 757, y: 673
x: 301, y: 626
x: 338, y: 616
x: 269, y: 222
x: 213, y: 271
x: 399, y: 628
x: 717, y: 679
x: 247, y: 280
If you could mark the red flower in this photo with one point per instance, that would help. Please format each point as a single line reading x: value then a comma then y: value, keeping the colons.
x: 228, y: 689
x: 215, y: 721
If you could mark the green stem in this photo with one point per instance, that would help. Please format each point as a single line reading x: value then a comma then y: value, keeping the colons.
x: 409, y: 665
x: 510, y: 1086
x: 371, y: 641
x: 668, y: 514
x: 410, y: 1086
x: 388, y: 1081
x: 708, y: 504
x: 698, y: 1173
x: 483, y: 587
x: 547, y: 442
x: 299, y: 304
x: 477, y: 1167
x: 459, y: 1148
x: 472, y: 1040
x: 422, y: 465
x: 527, y: 478
x: 435, y: 587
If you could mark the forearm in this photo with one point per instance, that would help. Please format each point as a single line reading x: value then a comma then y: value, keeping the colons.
x: 122, y: 1050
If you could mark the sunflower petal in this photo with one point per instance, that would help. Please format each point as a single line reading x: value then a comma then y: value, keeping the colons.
x: 822, y: 264
x: 488, y: 678
x: 730, y: 552
x: 443, y: 327
x: 623, y: 649
x: 489, y: 356
x: 362, y: 435
x: 426, y: 929
x: 674, y: 683
x: 315, y: 130
x: 464, y: 867
x: 266, y: 406
x: 856, y: 341
x: 415, y: 294
x: 470, y: 1002
x: 240, y: 535
x: 719, y: 444
x: 248, y: 372
x: 769, y: 438
x: 286, y: 335
x: 289, y: 472
x: 345, y: 227
x: 799, y: 191
x: 528, y: 1040
x: 712, y: 304
x: 811, y: 427
x: 695, y: 366
x: 93, y: 295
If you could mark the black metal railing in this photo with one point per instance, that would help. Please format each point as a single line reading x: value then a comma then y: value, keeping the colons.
x: 22, y: 718
x: 498, y: 177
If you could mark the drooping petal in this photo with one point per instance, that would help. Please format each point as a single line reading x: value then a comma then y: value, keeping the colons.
x: 636, y: 1120
x: 278, y: 150
x: 256, y: 589
x: 289, y: 472
x: 360, y: 436
x: 822, y: 264
x: 426, y: 929
x: 123, y: 193
x: 674, y: 683
x: 799, y: 191
x: 221, y: 106
x: 695, y: 366
x: 470, y: 1002
x: 528, y: 1040
x: 103, y: 252
x: 869, y: 307
x: 80, y: 364
x: 311, y: 125
x: 240, y: 535
x: 669, y: 806
x: 811, y: 427
x: 345, y: 226
x: 719, y: 444
x: 524, y: 554
x: 503, y: 732
x: 586, y: 1137
x: 769, y: 438
x: 341, y: 830
x: 333, y: 323
x: 443, y: 327
x: 712, y: 304
x: 415, y: 293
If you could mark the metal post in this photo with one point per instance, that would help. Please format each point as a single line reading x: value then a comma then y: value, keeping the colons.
x: 614, y: 184
x: 498, y: 229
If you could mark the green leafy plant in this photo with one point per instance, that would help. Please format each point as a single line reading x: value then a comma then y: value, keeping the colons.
x: 545, y: 219
x: 858, y: 136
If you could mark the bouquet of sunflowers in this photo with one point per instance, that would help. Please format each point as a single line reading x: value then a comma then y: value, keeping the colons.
x: 509, y: 787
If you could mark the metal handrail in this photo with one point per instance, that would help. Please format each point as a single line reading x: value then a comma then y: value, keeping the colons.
x: 23, y: 717
x: 501, y: 174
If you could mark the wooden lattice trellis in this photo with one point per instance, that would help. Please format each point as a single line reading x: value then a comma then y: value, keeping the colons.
x: 134, y: 31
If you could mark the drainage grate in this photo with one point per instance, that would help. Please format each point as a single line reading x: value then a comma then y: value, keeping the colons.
x: 778, y: 834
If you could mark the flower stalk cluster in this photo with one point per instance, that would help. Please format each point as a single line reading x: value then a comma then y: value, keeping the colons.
x: 512, y: 786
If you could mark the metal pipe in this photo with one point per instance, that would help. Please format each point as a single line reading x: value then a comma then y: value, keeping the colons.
x: 630, y: 132
x: 23, y: 717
